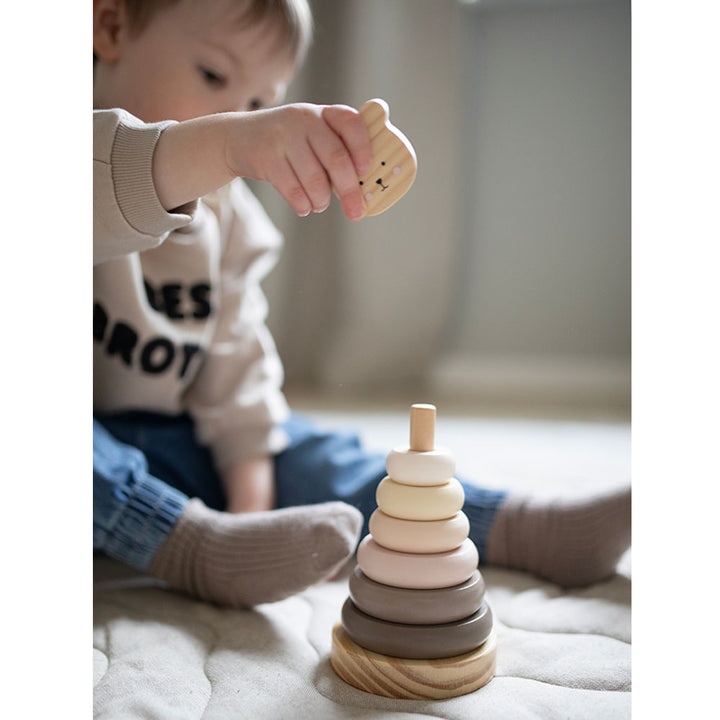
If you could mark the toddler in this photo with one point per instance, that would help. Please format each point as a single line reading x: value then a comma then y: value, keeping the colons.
x: 202, y: 476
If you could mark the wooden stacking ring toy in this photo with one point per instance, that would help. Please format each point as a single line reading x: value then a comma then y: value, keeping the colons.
x: 416, y: 623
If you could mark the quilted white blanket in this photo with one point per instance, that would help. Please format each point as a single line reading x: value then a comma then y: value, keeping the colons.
x: 561, y: 654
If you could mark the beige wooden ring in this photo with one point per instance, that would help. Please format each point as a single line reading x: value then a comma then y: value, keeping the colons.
x: 409, y: 502
x: 417, y: 641
x: 412, y: 570
x: 417, y: 607
x: 414, y: 536
x: 409, y: 467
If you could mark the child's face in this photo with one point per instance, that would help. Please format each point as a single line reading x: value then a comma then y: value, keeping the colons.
x: 191, y: 61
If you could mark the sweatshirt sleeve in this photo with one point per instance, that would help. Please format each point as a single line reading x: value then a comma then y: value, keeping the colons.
x: 127, y: 214
x: 236, y: 398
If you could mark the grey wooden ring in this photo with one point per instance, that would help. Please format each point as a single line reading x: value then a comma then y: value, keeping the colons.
x: 427, y: 642
x: 416, y: 607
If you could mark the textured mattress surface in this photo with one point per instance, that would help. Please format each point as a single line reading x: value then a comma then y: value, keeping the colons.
x: 561, y: 654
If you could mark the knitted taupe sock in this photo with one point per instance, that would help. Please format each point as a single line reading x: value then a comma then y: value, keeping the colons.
x: 571, y: 542
x: 246, y: 559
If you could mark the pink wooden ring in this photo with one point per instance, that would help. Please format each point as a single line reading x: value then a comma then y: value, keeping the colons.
x: 411, y: 570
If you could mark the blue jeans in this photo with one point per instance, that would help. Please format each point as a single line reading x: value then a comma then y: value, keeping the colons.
x: 147, y: 466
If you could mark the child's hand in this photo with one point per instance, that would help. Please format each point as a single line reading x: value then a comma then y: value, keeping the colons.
x: 306, y: 152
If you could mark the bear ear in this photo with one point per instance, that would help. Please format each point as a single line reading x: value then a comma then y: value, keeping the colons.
x: 375, y: 109
x: 393, y: 165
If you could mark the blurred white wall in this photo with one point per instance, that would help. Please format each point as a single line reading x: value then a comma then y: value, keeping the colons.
x: 505, y: 271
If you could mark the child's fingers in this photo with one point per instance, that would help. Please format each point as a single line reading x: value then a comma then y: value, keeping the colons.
x: 334, y: 156
x: 350, y: 127
x: 312, y: 176
x: 287, y: 183
x: 309, y: 151
x: 346, y: 154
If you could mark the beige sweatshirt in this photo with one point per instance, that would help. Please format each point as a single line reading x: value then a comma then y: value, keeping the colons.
x: 179, y: 314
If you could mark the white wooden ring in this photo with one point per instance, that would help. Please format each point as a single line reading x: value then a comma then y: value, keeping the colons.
x: 409, y: 467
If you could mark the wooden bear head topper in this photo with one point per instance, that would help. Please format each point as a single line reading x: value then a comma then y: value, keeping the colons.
x: 394, y: 164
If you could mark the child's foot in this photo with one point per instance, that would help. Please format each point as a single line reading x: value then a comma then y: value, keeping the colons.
x: 570, y: 542
x: 247, y: 559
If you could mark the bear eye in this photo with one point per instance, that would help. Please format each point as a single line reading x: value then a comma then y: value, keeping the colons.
x: 361, y: 182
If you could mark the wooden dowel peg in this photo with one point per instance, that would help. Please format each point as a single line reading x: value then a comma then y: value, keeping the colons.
x: 422, y: 427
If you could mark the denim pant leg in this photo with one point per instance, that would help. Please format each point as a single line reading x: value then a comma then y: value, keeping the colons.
x: 172, y: 453
x: 133, y: 512
x: 145, y: 468
x: 319, y: 466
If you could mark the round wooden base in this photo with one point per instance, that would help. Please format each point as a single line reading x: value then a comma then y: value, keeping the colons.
x: 412, y: 679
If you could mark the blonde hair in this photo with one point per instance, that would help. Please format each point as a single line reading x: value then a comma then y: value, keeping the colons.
x: 294, y: 16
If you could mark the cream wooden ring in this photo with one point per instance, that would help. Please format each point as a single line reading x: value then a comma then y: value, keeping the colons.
x: 427, y: 536
x: 412, y: 570
x: 409, y: 502
x: 409, y: 467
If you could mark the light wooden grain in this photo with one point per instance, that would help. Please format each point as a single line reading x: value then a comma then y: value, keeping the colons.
x: 422, y: 427
x: 412, y: 679
x: 394, y: 164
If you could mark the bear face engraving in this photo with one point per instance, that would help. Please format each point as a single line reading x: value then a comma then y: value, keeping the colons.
x: 394, y: 163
